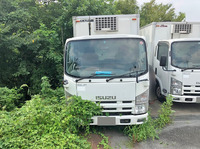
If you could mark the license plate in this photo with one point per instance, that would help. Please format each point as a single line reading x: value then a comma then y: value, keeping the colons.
x: 106, y: 121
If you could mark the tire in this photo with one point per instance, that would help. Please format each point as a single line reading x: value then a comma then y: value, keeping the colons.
x: 159, y: 96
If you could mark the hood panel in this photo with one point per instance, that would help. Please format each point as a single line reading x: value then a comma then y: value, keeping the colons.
x: 106, y: 91
x: 191, y: 78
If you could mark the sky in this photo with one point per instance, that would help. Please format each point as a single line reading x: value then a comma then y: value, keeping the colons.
x: 190, y: 7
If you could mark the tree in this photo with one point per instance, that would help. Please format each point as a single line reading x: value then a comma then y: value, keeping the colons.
x: 152, y: 12
x: 32, y: 38
x: 27, y: 53
x: 127, y: 6
x: 13, y: 30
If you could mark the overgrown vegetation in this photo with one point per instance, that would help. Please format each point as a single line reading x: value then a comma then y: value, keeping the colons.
x: 49, y: 120
x: 46, y: 121
x: 9, y: 98
x: 152, y: 127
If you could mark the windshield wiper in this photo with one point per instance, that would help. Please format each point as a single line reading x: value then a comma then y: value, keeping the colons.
x: 125, y: 74
x: 93, y: 75
x: 96, y: 74
x: 194, y: 67
x: 183, y: 69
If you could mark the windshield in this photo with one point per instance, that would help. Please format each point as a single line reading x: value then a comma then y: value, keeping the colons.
x: 186, y: 54
x: 105, y: 57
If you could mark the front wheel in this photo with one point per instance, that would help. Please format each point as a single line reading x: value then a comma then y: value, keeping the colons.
x: 159, y: 96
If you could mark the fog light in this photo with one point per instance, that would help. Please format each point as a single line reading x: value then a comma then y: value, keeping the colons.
x: 141, y: 120
x: 188, y: 99
x: 125, y: 121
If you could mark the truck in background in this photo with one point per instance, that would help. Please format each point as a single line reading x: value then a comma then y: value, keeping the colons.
x: 109, y: 69
x: 173, y: 48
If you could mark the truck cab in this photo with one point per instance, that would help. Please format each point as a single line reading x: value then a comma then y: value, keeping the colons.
x: 111, y: 70
x: 177, y: 69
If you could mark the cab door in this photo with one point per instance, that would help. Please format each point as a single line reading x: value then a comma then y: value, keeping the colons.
x: 162, y: 76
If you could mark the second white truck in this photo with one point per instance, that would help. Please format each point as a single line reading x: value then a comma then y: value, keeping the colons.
x: 174, y: 54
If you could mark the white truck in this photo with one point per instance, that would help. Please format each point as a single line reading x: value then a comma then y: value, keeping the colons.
x: 174, y: 54
x: 109, y: 69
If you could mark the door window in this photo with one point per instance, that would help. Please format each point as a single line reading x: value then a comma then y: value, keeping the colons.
x: 162, y: 50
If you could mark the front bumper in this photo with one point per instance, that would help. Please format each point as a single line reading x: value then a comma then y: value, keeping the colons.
x: 119, y: 120
x: 186, y: 99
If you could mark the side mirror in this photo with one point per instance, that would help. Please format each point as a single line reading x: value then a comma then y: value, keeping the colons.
x: 163, y: 61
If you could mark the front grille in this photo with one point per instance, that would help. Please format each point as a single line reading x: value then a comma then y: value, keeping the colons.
x: 191, y: 90
x: 106, y: 102
x: 126, y: 108
x: 109, y: 108
x: 127, y: 101
x: 117, y: 113
x: 122, y: 107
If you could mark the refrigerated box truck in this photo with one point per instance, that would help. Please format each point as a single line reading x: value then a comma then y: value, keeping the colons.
x: 108, y: 67
x: 173, y: 51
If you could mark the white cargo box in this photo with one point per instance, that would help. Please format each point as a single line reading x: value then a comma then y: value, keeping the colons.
x: 106, y: 24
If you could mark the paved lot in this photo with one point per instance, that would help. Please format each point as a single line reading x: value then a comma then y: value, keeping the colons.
x: 179, y: 108
x: 182, y: 134
x: 179, y: 135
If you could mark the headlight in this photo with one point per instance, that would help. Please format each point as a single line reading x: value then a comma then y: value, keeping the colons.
x: 142, y: 98
x: 176, y: 87
x: 141, y: 103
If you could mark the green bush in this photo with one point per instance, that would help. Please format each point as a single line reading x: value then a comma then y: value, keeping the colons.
x: 46, y: 124
x: 9, y: 98
x: 48, y: 93
x: 46, y: 121
x: 80, y: 113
